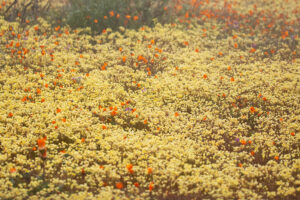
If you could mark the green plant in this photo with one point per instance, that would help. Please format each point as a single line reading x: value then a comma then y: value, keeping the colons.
x: 100, y: 15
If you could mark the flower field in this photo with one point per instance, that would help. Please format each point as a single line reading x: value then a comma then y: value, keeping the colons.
x: 207, y: 107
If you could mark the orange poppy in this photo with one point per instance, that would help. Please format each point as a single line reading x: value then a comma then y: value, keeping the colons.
x: 10, y: 114
x: 252, y: 50
x: 119, y: 185
x: 12, y: 170
x: 111, y: 13
x: 151, y: 186
x: 41, y: 143
x: 135, y: 18
x: 124, y: 59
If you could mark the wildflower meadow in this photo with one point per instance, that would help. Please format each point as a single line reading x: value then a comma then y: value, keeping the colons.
x: 168, y: 100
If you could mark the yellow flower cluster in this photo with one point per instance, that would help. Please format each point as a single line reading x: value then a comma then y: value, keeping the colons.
x: 154, y: 113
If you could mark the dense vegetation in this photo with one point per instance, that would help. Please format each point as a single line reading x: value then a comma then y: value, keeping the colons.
x: 173, y: 99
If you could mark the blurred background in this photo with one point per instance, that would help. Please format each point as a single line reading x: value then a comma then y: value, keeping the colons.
x: 97, y: 14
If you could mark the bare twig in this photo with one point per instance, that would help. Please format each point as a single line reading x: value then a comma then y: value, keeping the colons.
x: 24, y: 10
x: 11, y: 5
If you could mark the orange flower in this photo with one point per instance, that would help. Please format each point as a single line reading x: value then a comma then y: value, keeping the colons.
x: 124, y: 59
x: 58, y: 110
x: 145, y: 121
x: 111, y: 13
x: 95, y: 21
x: 38, y: 91
x: 276, y: 157
x: 252, y: 109
x: 135, y: 18
x: 205, y: 76
x: 235, y: 45
x: 232, y: 79
x: 281, y: 119
x: 10, y: 114
x: 252, y: 50
x: 149, y: 170
x: 128, y: 17
x: 129, y: 166
x: 104, y: 127
x: 252, y: 153
x: 24, y: 99
x: 113, y: 113
x: 57, y: 28
x: 151, y: 186
x: 12, y: 170
x: 292, y: 133
x: 119, y: 185
x: 243, y: 142
x: 136, y: 184
x: 82, y: 140
x: 41, y: 143
x: 64, y: 119
x: 176, y: 114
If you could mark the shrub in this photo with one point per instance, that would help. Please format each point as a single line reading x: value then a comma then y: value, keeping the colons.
x: 27, y: 11
x: 114, y: 13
